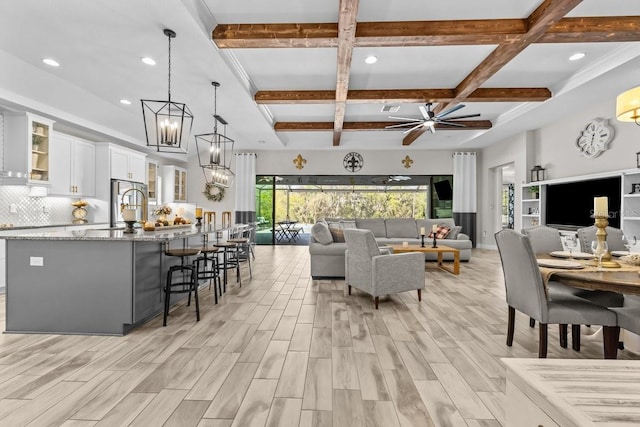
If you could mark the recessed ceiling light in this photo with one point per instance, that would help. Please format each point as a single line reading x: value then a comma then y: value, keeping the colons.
x: 371, y: 59
x: 576, y: 56
x: 125, y: 102
x: 149, y: 61
x: 51, y: 62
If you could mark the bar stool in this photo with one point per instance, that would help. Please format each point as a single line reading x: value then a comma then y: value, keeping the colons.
x: 243, y: 247
x: 210, y: 217
x: 226, y: 218
x: 186, y: 283
x: 229, y: 262
x: 207, y: 268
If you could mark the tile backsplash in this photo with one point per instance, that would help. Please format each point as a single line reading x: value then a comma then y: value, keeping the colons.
x: 32, y: 210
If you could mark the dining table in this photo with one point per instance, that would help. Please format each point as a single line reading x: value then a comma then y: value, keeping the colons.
x: 287, y: 230
x: 624, y: 278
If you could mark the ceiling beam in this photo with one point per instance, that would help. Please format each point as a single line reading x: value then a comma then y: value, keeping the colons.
x: 426, y: 33
x: 381, y: 96
x: 545, y: 15
x: 371, y: 126
x: 346, y: 40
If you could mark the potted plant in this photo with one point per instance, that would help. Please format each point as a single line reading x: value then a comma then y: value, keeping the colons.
x: 36, y: 140
x: 534, y: 191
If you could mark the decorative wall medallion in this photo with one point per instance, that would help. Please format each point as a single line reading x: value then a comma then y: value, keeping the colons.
x: 595, y: 138
x: 407, y: 162
x: 353, y: 162
x: 299, y: 162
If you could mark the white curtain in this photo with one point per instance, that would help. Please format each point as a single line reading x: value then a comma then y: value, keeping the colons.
x: 465, y: 193
x: 464, y: 182
x: 245, y: 188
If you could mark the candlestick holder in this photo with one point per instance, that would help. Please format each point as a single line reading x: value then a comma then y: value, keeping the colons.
x: 129, y: 228
x: 422, y: 245
x: 434, y: 241
x: 199, y: 221
x: 601, y: 223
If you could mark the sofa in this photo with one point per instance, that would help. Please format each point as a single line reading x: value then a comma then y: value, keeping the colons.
x: 327, y: 250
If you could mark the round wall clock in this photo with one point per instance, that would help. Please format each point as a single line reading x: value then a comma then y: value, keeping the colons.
x: 353, y: 162
x: 595, y: 138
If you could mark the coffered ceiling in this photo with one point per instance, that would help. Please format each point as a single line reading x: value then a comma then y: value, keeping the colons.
x: 293, y: 72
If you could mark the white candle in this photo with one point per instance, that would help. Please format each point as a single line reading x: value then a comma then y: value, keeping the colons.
x: 434, y: 228
x: 422, y: 231
x: 129, y: 214
x: 601, y: 207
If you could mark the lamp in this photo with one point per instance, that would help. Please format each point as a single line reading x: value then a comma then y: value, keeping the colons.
x: 537, y: 173
x: 167, y: 123
x: 628, y: 106
x: 215, y: 150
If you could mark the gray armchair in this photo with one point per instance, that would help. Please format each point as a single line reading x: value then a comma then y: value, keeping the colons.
x: 525, y: 292
x: 377, y: 273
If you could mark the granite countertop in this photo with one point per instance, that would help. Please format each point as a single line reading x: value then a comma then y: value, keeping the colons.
x: 117, y: 234
x: 6, y: 227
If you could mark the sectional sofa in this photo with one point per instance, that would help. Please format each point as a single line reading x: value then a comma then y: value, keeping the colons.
x: 327, y: 251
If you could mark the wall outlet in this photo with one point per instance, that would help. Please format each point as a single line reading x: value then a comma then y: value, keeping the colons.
x: 484, y: 233
x: 36, y: 261
x: 13, y: 208
x: 45, y: 209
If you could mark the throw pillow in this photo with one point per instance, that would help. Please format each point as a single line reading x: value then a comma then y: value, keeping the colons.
x: 441, y: 232
x: 337, y: 234
x: 320, y: 232
x: 455, y: 230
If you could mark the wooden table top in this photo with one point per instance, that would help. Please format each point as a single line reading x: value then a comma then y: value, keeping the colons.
x: 418, y: 248
x: 580, y: 393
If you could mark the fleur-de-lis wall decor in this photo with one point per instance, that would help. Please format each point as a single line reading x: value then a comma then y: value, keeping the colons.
x: 299, y: 162
x: 407, y: 162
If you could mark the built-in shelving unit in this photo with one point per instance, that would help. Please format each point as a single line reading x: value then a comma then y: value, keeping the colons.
x: 532, y: 205
x: 630, y: 209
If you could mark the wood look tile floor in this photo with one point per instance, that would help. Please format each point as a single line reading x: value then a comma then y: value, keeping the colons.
x: 283, y: 350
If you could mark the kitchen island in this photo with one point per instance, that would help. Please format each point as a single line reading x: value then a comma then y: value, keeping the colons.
x: 90, y: 281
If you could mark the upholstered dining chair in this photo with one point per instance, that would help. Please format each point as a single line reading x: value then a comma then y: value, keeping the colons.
x: 545, y: 239
x: 374, y: 271
x: 525, y: 292
x: 586, y: 235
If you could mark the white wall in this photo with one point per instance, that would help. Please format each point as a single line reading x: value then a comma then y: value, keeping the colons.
x: 327, y: 162
x: 554, y: 148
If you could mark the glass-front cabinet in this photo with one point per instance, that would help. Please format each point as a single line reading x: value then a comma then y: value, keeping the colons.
x: 174, y: 184
x: 152, y: 181
x: 29, y: 137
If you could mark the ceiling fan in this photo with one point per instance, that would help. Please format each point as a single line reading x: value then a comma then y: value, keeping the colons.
x: 430, y: 118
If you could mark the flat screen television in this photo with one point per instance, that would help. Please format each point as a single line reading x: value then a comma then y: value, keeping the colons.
x: 570, y: 205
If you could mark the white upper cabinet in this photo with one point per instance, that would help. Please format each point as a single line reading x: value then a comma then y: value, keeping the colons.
x: 174, y: 184
x: 28, y: 137
x: 152, y: 181
x: 128, y: 165
x: 72, y: 166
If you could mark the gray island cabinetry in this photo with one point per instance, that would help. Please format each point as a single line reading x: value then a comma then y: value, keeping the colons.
x: 89, y: 281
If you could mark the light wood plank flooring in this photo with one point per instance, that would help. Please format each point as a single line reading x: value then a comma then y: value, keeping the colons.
x: 284, y: 350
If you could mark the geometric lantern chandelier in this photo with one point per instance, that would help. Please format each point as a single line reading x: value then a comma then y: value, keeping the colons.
x: 167, y: 124
x: 215, y: 150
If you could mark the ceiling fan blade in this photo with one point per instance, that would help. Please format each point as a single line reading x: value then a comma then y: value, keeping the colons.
x: 450, y: 110
x: 413, y: 128
x: 460, y: 125
x: 462, y: 117
x: 403, y: 124
x: 424, y: 112
x: 432, y: 129
x: 411, y: 119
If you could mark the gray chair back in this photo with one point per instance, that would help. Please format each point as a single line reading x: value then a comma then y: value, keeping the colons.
x: 361, y: 247
x: 543, y: 239
x: 522, y: 279
x: 588, y: 234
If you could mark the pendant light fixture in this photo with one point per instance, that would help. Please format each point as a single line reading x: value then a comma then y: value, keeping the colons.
x: 215, y: 150
x: 167, y: 124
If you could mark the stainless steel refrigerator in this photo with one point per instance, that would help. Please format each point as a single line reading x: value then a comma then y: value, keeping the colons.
x: 131, y: 195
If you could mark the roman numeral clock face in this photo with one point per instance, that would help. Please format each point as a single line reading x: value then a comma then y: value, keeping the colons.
x: 595, y: 138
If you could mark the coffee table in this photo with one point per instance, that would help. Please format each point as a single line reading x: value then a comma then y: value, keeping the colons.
x: 441, y: 249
